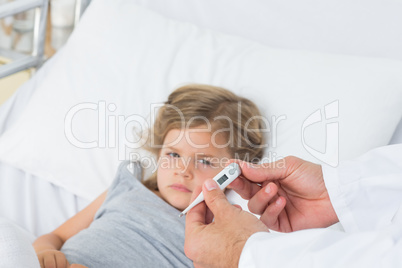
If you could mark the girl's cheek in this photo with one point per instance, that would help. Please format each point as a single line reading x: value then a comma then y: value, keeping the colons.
x: 206, y: 173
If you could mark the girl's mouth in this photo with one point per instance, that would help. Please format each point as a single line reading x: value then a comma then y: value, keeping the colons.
x: 180, y: 187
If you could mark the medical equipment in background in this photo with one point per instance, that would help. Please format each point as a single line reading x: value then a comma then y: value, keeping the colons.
x: 20, y: 61
x: 22, y: 10
x: 64, y: 16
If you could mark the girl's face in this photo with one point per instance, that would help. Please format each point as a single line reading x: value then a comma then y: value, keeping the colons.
x: 187, y: 159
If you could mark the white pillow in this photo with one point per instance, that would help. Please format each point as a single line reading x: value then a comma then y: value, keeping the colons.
x: 123, y: 58
x: 353, y: 27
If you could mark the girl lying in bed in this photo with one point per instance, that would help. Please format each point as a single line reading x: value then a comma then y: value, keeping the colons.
x: 136, y: 224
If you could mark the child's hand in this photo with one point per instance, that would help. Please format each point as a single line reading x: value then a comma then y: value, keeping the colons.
x: 51, y: 258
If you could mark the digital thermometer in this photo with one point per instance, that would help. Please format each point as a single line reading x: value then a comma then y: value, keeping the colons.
x: 223, y: 178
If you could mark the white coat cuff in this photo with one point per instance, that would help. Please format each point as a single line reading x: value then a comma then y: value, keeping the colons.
x: 337, y: 197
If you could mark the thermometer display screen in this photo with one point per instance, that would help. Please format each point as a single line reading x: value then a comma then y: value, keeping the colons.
x: 222, y: 179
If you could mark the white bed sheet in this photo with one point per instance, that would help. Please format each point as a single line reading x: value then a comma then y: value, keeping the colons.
x: 33, y: 203
x: 15, y: 246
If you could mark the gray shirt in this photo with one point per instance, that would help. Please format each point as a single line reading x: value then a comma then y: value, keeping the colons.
x: 132, y: 228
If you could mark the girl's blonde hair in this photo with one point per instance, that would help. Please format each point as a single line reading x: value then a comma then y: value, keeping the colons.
x: 195, y: 105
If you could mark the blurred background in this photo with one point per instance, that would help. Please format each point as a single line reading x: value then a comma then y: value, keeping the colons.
x: 16, y: 31
x: 16, y: 35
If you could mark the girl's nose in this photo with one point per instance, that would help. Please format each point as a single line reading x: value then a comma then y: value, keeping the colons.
x: 185, y: 169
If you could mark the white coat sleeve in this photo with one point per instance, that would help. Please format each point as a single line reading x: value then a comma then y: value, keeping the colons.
x: 367, y: 197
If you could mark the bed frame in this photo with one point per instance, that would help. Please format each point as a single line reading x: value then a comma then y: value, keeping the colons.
x: 20, y: 61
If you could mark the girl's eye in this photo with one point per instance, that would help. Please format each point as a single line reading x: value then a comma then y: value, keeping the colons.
x: 172, y: 154
x: 205, y: 162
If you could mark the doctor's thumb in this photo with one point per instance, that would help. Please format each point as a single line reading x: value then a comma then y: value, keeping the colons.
x: 214, y: 197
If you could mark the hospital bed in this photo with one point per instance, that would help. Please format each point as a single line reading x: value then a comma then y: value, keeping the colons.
x: 327, y: 76
x: 21, y: 61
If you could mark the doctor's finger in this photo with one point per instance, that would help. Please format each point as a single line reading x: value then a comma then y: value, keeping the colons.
x: 268, y: 171
x: 245, y: 188
x: 259, y: 202
x: 215, y: 198
x: 274, y: 216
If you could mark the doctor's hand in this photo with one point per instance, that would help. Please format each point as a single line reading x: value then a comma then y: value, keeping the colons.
x: 218, y: 243
x: 290, y: 194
